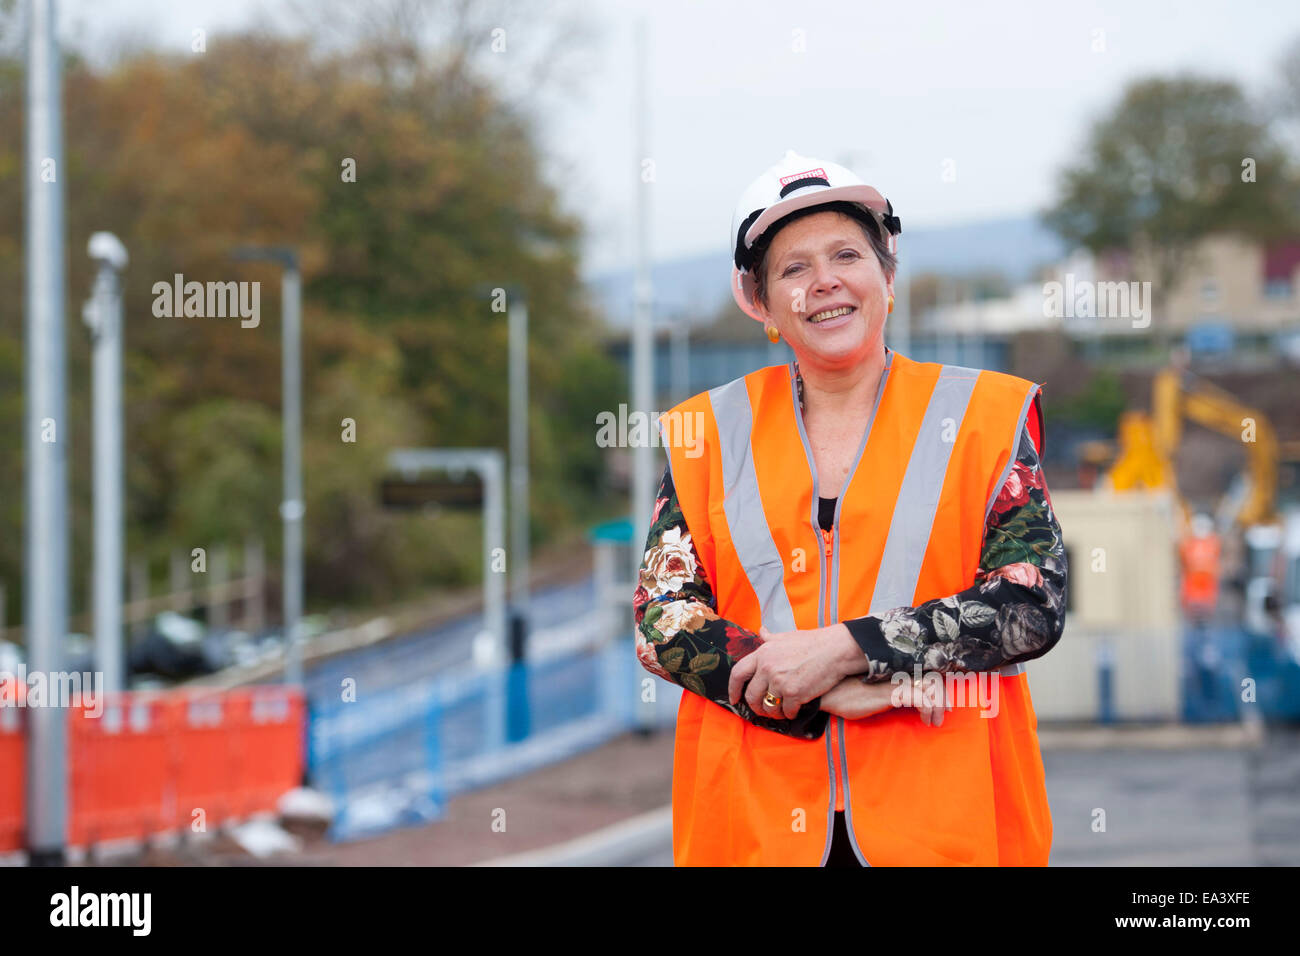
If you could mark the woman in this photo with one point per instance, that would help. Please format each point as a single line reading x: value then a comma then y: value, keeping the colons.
x: 849, y: 570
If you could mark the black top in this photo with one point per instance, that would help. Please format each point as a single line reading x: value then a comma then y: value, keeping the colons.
x: 858, y: 627
x: 826, y: 512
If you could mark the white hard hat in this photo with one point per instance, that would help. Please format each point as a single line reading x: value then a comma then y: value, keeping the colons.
x: 796, y: 182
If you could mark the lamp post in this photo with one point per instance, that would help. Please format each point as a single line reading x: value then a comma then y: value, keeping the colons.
x: 517, y: 563
x: 291, y: 505
x: 642, y: 357
x: 103, y: 316
x: 45, y: 544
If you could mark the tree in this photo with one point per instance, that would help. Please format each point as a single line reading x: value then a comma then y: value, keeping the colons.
x: 187, y: 157
x: 1171, y: 164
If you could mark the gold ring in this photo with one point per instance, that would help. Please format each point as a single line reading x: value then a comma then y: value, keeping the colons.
x: 771, y: 700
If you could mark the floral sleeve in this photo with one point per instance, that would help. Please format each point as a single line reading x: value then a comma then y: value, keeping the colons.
x: 1014, y: 612
x: 679, y: 634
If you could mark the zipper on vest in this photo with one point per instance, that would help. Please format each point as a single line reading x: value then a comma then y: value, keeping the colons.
x: 836, y: 726
x: 835, y: 729
x: 838, y: 764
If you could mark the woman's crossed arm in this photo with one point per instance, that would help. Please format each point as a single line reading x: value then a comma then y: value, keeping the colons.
x: 679, y: 634
x: 1013, y: 612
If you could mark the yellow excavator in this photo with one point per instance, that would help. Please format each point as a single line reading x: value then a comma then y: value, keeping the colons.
x: 1148, y: 442
x: 1270, y: 578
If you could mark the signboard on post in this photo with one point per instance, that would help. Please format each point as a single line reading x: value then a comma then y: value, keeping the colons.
x: 424, y: 491
x: 463, y: 478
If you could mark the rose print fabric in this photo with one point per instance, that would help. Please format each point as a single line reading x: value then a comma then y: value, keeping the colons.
x: 679, y: 634
x: 1014, y: 612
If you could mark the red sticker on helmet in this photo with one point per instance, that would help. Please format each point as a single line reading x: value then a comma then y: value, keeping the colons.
x: 806, y: 174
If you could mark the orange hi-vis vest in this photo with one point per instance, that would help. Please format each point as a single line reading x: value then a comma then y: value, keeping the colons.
x: 908, y: 528
x: 1200, y: 558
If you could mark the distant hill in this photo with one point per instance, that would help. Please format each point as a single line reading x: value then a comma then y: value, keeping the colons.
x: 696, y: 286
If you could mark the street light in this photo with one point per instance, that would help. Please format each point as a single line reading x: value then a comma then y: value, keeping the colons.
x: 643, y: 340
x: 291, y: 504
x: 103, y: 316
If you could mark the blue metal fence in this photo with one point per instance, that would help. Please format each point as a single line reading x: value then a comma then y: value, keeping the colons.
x: 393, y: 757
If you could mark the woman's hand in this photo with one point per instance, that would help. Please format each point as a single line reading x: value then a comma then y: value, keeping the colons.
x: 929, y: 696
x: 795, y: 666
x: 852, y: 699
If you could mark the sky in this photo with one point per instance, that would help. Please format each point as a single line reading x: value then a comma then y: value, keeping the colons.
x: 957, y: 110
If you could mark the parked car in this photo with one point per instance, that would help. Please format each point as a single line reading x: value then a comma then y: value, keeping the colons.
x: 173, y: 648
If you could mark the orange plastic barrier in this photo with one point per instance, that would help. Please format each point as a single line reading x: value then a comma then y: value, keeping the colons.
x: 269, y: 725
x: 152, y: 760
x: 13, y: 780
x: 206, y: 769
x: 120, y: 769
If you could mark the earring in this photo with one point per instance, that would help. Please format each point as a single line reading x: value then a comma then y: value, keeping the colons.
x: 773, y: 334
x: 891, y: 304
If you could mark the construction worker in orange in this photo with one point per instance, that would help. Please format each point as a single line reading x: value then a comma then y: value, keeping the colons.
x: 848, y: 563
x: 1199, y: 554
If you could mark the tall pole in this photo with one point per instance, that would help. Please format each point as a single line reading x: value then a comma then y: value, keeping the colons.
x: 494, y: 514
x: 103, y: 314
x: 292, y: 507
x: 45, y: 546
x: 518, y: 561
x: 681, y: 359
x: 642, y: 332
x: 254, y: 573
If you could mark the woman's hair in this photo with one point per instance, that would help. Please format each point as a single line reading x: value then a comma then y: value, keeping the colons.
x: 864, y: 217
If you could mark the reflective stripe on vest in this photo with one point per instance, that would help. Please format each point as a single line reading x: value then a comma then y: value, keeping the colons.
x: 752, y: 538
x: 913, y: 517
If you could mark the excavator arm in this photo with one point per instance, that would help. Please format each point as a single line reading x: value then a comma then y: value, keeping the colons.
x: 1149, y: 443
x: 1177, y: 395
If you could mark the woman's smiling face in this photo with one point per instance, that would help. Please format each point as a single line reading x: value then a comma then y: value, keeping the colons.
x: 826, y: 291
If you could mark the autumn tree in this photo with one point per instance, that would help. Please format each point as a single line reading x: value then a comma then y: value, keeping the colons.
x: 406, y: 193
